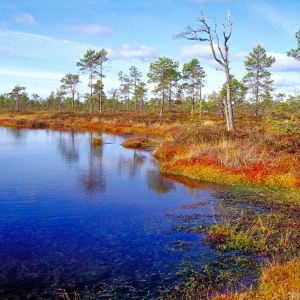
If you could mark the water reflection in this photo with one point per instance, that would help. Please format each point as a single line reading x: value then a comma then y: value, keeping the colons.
x: 93, y: 180
x: 159, y: 184
x: 51, y: 237
x: 132, y: 166
x: 19, y: 135
x: 67, y: 147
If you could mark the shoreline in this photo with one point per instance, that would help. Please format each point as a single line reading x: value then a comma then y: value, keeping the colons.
x: 260, y: 168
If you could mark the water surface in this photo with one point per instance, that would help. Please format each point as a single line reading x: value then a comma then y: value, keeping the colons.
x: 75, y: 215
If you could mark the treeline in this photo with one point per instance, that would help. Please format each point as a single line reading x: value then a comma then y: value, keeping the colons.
x: 174, y: 89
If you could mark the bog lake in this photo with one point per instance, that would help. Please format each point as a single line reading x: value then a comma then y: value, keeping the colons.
x: 76, y: 216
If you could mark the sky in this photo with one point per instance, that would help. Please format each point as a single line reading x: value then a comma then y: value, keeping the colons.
x: 41, y: 41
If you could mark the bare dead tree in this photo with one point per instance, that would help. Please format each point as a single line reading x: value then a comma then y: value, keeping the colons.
x: 211, y: 36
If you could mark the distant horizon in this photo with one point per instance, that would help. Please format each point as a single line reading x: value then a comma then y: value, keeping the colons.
x: 40, y: 42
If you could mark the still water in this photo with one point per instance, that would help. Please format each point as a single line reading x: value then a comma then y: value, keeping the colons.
x: 75, y: 215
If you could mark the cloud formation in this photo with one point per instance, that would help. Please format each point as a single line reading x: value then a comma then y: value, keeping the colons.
x: 284, y: 63
x: 25, y: 18
x: 133, y: 51
x: 280, y: 81
x: 201, y: 51
x: 89, y: 29
x: 196, y: 51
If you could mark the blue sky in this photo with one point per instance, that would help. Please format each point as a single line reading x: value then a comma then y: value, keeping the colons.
x: 41, y: 41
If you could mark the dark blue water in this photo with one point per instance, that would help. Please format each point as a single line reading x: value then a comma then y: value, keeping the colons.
x: 75, y: 215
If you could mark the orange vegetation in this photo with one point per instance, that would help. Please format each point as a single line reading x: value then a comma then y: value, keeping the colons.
x: 139, y: 143
x: 244, y: 156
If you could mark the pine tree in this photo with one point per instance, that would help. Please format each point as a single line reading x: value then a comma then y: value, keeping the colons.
x: 295, y: 52
x: 160, y: 73
x: 258, y: 79
x: 16, y: 94
x: 194, y: 76
x: 69, y: 83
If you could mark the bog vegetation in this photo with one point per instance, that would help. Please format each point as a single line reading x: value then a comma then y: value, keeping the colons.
x: 258, y: 154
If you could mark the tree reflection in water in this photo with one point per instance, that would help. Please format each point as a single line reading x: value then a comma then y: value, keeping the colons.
x: 19, y: 134
x: 131, y: 165
x: 93, y: 181
x: 158, y: 184
x: 67, y: 148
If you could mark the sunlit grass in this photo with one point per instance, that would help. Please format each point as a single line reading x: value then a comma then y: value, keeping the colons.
x: 139, y: 143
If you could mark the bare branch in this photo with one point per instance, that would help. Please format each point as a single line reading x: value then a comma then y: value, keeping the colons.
x: 217, y: 37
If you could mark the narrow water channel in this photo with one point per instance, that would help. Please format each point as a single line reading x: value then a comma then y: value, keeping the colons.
x: 75, y: 215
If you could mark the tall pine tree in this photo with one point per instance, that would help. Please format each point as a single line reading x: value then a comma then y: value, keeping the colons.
x: 258, y: 79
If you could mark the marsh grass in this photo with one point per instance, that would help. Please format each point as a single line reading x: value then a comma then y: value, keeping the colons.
x: 97, y: 141
x: 139, y: 143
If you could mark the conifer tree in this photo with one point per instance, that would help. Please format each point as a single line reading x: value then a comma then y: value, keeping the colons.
x: 87, y: 64
x: 100, y: 59
x: 135, y: 77
x: 258, y: 79
x: 295, y: 52
x: 125, y: 87
x: 160, y: 73
x: 69, y: 83
x: 16, y: 94
x: 194, y: 76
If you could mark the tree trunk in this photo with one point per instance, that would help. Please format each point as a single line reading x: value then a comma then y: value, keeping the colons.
x: 256, y: 97
x: 170, y: 96
x: 222, y: 108
x: 73, y: 95
x: 230, y: 121
x: 135, y: 97
x: 91, y: 105
x: 101, y: 92
x: 163, y: 103
x: 193, y: 96
x: 18, y: 105
x: 91, y: 100
x: 200, y: 107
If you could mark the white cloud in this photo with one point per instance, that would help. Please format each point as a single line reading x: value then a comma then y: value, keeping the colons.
x: 196, y: 51
x: 89, y: 29
x: 280, y: 81
x: 25, y: 18
x: 284, y: 63
x: 239, y: 56
x: 133, y: 51
x: 201, y: 51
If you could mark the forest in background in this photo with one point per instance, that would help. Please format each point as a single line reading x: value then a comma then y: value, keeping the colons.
x: 173, y: 89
